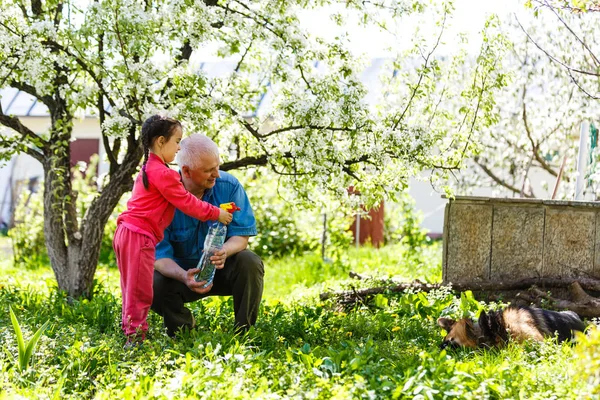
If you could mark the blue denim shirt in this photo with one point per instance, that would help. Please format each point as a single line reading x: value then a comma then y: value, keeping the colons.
x: 184, y: 237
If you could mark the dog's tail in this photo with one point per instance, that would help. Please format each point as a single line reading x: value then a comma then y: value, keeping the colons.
x: 563, y: 324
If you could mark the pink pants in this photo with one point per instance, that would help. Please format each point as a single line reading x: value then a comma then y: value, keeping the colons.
x: 135, y: 257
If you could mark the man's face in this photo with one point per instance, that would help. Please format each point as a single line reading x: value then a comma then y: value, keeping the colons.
x: 204, y: 175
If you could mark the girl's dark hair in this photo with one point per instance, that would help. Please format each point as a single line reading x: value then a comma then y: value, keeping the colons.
x: 154, y: 127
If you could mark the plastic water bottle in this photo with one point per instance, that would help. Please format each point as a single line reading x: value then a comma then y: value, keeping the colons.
x: 213, y: 242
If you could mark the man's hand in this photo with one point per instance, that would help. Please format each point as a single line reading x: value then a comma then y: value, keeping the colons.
x: 218, y: 258
x: 196, y: 286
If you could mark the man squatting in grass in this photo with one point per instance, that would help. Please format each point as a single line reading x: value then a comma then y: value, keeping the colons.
x: 156, y: 193
x: 239, y: 272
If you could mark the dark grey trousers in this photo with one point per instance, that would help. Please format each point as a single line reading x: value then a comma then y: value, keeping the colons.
x: 241, y: 277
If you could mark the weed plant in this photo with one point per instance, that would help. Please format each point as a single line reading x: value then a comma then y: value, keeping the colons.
x: 300, y: 347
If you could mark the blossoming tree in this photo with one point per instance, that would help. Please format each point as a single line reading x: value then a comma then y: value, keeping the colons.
x: 124, y: 59
x: 540, y: 114
x: 553, y: 89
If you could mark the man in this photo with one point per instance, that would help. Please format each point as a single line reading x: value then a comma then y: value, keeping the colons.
x: 239, y: 271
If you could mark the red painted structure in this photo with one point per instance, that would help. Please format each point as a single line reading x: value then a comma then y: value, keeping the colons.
x: 83, y: 149
x: 371, y: 227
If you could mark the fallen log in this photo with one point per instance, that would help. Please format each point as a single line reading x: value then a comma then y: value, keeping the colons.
x: 580, y: 302
x: 585, y: 283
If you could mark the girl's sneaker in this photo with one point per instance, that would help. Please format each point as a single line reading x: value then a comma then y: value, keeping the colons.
x: 134, y: 341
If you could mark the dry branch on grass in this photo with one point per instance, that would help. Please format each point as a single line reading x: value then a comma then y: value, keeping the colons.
x: 536, y: 291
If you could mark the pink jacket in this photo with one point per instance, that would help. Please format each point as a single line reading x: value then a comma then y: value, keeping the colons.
x: 150, y: 211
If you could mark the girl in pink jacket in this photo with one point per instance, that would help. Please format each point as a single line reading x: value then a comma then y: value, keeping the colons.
x: 157, y: 191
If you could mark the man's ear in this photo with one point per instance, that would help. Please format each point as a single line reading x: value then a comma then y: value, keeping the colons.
x: 185, y: 171
x: 446, y: 323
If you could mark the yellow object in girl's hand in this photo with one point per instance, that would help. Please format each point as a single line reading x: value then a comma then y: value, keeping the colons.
x: 229, y: 207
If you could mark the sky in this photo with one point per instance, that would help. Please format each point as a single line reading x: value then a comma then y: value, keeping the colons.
x: 469, y: 17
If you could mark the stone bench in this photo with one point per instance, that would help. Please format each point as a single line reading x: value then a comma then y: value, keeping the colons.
x: 497, y: 239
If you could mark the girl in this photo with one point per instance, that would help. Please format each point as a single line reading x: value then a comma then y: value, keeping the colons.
x: 156, y: 193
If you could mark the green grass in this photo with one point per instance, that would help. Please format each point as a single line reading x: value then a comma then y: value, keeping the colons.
x: 300, y: 348
x: 308, y: 275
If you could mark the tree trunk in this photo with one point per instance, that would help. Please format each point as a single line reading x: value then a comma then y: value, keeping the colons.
x: 73, y: 249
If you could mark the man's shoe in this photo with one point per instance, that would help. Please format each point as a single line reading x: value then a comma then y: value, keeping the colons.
x: 240, y: 330
x: 172, y: 333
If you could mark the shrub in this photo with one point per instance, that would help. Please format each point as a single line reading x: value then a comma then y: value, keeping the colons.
x: 27, y: 235
x: 403, y: 222
x: 587, y: 358
x: 286, y: 228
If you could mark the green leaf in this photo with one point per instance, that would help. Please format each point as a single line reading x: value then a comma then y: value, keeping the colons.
x: 381, y: 301
x: 19, y: 335
x: 25, y: 350
x: 33, y: 341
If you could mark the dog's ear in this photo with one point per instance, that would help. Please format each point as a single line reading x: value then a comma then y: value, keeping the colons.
x: 446, y: 323
x: 483, y: 316
x: 484, y: 324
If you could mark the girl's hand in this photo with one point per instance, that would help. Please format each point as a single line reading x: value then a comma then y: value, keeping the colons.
x: 225, y: 217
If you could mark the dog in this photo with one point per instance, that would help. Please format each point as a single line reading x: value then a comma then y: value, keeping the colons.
x: 514, y: 323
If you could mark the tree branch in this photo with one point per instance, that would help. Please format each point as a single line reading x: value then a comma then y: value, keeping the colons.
x: 239, y: 64
x: 304, y: 79
x: 585, y: 46
x: 24, y: 87
x: 87, y: 68
x: 551, y: 57
x: 244, y: 162
x: 534, y: 146
x: 13, y: 145
x: 265, y: 23
x: 478, y: 105
x: 421, y: 75
x: 186, y: 52
x: 525, y: 177
x: 314, y: 127
x: 394, y: 287
x: 589, y: 6
x: 26, y: 134
x: 58, y: 13
x: 109, y: 152
x: 253, y: 131
x: 500, y: 181
x: 10, y: 71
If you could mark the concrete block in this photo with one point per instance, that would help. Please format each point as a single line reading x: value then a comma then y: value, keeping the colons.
x: 569, y: 241
x: 597, y: 248
x: 469, y: 242
x: 517, y: 241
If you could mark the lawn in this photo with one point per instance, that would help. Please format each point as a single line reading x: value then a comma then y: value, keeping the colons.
x: 301, y: 347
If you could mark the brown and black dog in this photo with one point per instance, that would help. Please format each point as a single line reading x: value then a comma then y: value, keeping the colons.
x: 515, y: 323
